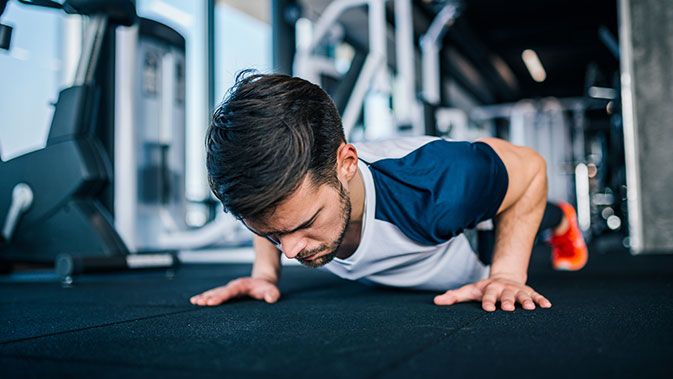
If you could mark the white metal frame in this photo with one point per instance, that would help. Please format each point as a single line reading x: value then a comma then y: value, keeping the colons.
x: 406, y: 71
x: 631, y: 150
x: 309, y: 66
x: 125, y: 183
x: 431, y: 44
x: 223, y: 230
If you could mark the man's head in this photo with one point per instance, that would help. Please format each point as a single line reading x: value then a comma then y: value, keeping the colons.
x: 274, y: 150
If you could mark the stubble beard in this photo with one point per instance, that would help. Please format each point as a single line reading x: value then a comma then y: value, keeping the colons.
x: 332, y: 247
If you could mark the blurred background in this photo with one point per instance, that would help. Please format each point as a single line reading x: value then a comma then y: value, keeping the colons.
x: 105, y: 104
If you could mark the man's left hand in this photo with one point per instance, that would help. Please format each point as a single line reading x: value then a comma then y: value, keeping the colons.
x: 489, y: 291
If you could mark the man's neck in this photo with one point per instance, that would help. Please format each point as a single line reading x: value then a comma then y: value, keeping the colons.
x: 352, y: 237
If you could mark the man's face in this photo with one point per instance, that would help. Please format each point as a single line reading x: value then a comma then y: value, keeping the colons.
x: 310, y: 224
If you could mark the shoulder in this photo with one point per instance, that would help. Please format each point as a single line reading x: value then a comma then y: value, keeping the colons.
x: 397, y: 148
x: 415, y: 156
x: 433, y: 188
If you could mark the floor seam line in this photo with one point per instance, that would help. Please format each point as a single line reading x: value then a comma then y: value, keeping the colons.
x: 96, y: 326
x: 426, y: 346
x: 91, y: 303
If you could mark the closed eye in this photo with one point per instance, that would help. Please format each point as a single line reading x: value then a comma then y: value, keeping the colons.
x: 277, y: 234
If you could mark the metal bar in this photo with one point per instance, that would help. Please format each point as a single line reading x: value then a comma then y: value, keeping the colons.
x: 373, y: 75
x: 430, y: 46
x: 210, y: 54
x: 125, y: 169
x: 630, y: 129
x: 583, y: 196
x: 440, y: 24
x: 378, y: 41
x: 303, y: 60
x: 405, y: 52
x: 166, y: 114
x: 329, y: 17
x: 95, y: 33
x: 431, y: 74
x: 577, y: 104
x: 354, y: 107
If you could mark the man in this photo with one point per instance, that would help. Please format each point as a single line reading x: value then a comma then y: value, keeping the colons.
x: 389, y: 213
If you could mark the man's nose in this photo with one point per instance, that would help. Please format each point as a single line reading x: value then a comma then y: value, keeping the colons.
x: 291, y: 245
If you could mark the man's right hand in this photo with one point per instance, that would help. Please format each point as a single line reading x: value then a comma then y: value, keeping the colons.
x: 260, y: 289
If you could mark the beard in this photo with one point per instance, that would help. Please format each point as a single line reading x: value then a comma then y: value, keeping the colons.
x: 333, y: 246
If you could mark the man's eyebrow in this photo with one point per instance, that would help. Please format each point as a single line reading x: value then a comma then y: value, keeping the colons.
x: 304, y: 225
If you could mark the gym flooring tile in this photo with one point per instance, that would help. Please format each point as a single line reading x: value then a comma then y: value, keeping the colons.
x: 612, y: 319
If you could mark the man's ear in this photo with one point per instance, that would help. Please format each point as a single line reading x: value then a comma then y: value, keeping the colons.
x: 347, y: 161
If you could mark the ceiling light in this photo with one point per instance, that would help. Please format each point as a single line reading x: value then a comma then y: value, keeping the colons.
x: 534, y: 65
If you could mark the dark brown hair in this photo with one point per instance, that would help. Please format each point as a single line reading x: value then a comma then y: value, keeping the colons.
x: 265, y: 137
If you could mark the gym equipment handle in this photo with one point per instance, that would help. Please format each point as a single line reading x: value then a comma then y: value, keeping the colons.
x: 22, y: 199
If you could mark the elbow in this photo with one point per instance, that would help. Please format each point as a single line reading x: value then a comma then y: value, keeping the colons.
x: 536, y: 162
x: 541, y: 165
x: 537, y: 174
x: 541, y: 174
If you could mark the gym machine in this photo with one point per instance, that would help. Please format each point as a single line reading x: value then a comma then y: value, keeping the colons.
x: 150, y: 129
x: 367, y: 74
x: 57, y: 203
x: 367, y: 84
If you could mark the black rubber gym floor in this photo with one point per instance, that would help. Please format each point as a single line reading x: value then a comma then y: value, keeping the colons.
x: 612, y: 319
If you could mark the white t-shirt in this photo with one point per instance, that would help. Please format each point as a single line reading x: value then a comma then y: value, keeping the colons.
x: 420, y: 194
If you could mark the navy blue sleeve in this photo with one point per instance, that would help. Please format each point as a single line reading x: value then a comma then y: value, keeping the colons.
x: 440, y: 189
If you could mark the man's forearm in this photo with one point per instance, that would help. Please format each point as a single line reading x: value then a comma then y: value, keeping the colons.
x: 515, y: 230
x: 267, y: 260
x: 516, y: 224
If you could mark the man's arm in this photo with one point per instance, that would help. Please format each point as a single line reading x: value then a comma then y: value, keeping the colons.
x: 516, y: 224
x: 261, y: 285
x: 520, y: 213
x: 267, y: 260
